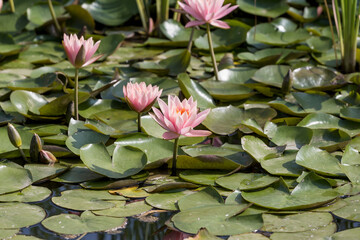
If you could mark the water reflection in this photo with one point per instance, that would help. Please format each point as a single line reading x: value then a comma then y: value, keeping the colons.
x: 135, y: 229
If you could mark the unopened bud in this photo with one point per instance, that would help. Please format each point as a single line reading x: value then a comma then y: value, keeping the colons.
x: 80, y: 57
x: 47, y: 157
x: 14, y: 136
x: 35, y: 148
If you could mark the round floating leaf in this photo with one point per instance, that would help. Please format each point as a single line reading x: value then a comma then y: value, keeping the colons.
x: 26, y: 102
x: 319, y: 161
x: 39, y: 14
x: 176, y: 32
x: 77, y: 174
x: 252, y: 144
x: 111, y: 12
x: 80, y: 18
x: 132, y: 192
x: 284, y: 165
x: 109, y: 44
x: 351, y: 113
x: 167, y: 200
x: 346, y: 234
x: 321, y: 78
x: 248, y: 236
x: 41, y: 172
x: 8, y: 233
x: 204, y: 177
x: 87, y: 222
x: 224, y: 120
x: 264, y: 8
x: 312, y: 191
x: 329, y: 139
x: 217, y: 220
x: 239, y: 75
x: 272, y: 75
x: 206, y: 197
x: 327, y: 121
x: 316, y: 233
x: 295, y: 222
x: 309, y: 14
x: 29, y: 194
x: 125, y: 162
x: 291, y: 136
x: 246, y: 181
x: 226, y: 91
x: 128, y: 210
x: 13, y: 177
x: 82, y: 200
x: 319, y: 44
x: 18, y: 215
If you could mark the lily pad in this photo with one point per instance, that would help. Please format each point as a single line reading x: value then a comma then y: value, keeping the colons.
x: 263, y: 7
x: 80, y: 199
x: 312, y: 191
x: 204, y: 177
x: 128, y: 210
x: 18, y: 215
x: 41, y: 172
x: 85, y: 223
x: 77, y: 174
x: 13, y: 177
x: 29, y: 194
x: 272, y: 75
x: 246, y: 181
x: 167, y: 200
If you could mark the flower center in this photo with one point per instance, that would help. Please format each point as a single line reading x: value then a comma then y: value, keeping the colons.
x: 182, y: 110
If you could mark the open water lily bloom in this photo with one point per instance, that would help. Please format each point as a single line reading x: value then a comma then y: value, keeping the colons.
x: 207, y: 11
x: 179, y: 118
x: 80, y: 58
x: 140, y: 97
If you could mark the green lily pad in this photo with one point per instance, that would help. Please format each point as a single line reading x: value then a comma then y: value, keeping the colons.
x: 248, y: 236
x: 41, y: 172
x: 176, y: 32
x: 313, y: 103
x: 312, y: 191
x: 329, y: 139
x: 39, y: 14
x: 346, y: 234
x: 18, y: 215
x: 291, y: 136
x: 226, y: 91
x: 29, y: 194
x: 132, y: 192
x: 284, y: 165
x: 13, y: 177
x: 246, y: 181
x: 252, y: 144
x: 316, y: 233
x: 295, y: 222
x: 109, y: 44
x: 217, y: 219
x: 351, y: 113
x: 206, y: 197
x: 309, y: 14
x: 167, y: 200
x: 316, y: 78
x: 263, y: 7
x: 125, y: 162
x: 80, y: 199
x: 203, y: 177
x: 319, y: 161
x: 128, y: 210
x: 85, y: 223
x: 272, y: 75
x: 327, y: 121
x: 111, y: 12
x: 287, y: 107
x: 8, y: 233
x: 239, y: 75
x: 77, y: 174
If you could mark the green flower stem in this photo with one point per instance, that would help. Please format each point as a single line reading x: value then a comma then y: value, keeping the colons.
x: 191, y: 40
x: 176, y: 145
x: 139, y: 122
x: 212, y: 52
x: 12, y: 5
x: 76, y: 94
x: 53, y: 15
x: 23, y: 155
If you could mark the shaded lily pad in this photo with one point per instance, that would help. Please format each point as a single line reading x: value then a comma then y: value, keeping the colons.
x: 313, y: 103
x: 86, y: 222
x: 284, y: 165
x: 291, y: 136
x: 226, y: 91
x: 204, y: 177
x: 272, y: 75
x: 252, y: 144
x: 167, y: 200
x: 77, y: 174
x: 41, y: 172
x: 80, y: 199
x: 205, y: 197
x: 312, y: 191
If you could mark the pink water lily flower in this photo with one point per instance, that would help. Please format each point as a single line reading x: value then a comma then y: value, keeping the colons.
x: 179, y: 118
x: 140, y: 97
x: 80, y: 58
x: 207, y: 11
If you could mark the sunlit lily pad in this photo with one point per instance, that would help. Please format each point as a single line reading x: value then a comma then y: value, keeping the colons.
x: 346, y: 234
x: 272, y: 75
x: 206, y: 197
x: 41, y: 172
x: 291, y: 136
x: 77, y: 174
x: 252, y: 144
x: 316, y: 233
x: 312, y: 191
x: 204, y: 177
x: 86, y: 222
x: 13, y: 177
x: 29, y: 194
x: 128, y: 210
x: 80, y: 199
x: 284, y: 165
x: 167, y: 200
x: 248, y: 236
x: 18, y: 215
x: 246, y: 181
x: 263, y: 7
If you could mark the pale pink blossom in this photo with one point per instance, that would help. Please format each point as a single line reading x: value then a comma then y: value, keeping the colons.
x: 72, y: 46
x: 207, y: 11
x: 140, y: 97
x: 1, y: 4
x: 179, y: 118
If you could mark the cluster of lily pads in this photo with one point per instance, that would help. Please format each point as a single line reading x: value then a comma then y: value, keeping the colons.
x: 281, y: 161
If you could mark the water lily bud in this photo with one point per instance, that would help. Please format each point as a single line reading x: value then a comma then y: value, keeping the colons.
x: 35, y: 147
x: 47, y: 157
x: 80, y: 57
x: 14, y: 136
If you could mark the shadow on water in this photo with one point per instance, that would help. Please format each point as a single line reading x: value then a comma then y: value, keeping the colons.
x: 135, y: 229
